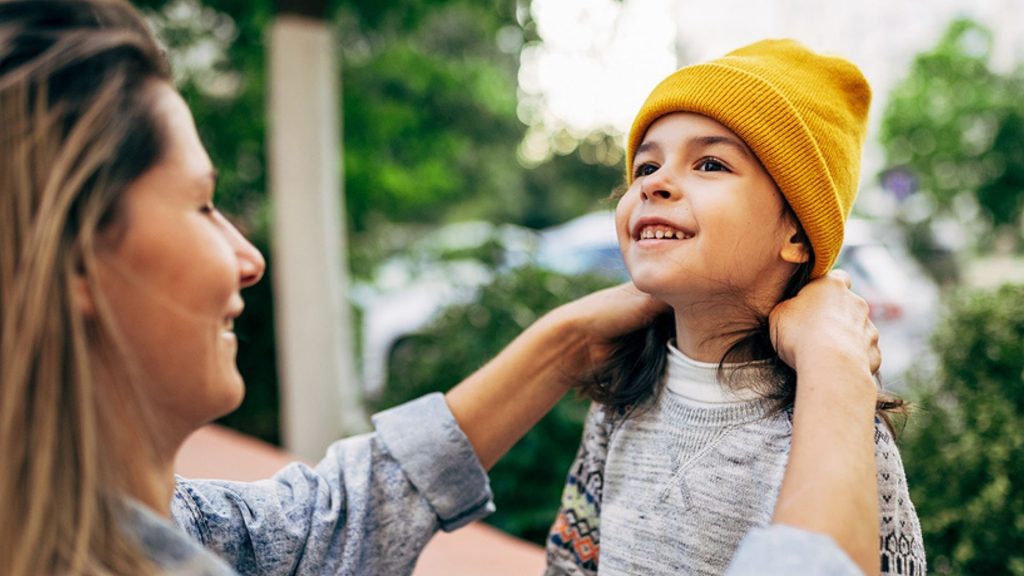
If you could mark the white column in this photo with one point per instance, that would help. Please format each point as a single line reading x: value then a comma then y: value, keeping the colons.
x: 320, y: 399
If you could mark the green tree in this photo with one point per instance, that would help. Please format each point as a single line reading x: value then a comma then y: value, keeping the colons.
x: 964, y: 446
x: 957, y: 127
x: 430, y: 121
x: 430, y: 133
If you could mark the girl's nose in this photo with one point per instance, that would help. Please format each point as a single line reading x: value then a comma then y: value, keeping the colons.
x: 658, y: 186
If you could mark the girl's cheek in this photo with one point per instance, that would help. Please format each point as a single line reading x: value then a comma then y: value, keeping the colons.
x: 621, y: 222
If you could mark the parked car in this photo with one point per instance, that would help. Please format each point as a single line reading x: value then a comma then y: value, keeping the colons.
x: 902, y: 297
x: 586, y: 244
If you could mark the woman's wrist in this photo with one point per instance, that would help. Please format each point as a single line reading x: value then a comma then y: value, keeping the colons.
x: 569, y: 330
x: 836, y: 377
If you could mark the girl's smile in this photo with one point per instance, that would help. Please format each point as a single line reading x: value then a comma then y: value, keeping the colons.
x: 652, y: 229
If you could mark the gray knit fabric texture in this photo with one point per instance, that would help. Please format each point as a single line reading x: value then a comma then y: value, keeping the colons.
x: 673, y: 490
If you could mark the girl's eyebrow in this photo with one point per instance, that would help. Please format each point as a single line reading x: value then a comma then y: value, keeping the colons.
x: 703, y: 142
x: 646, y: 146
x: 708, y: 141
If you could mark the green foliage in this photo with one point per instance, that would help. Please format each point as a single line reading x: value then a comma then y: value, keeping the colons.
x: 430, y: 122
x: 430, y: 132
x: 216, y: 51
x: 964, y: 448
x: 958, y: 127
x: 527, y: 482
x: 566, y: 186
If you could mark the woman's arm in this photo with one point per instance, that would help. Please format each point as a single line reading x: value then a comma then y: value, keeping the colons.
x: 500, y: 402
x: 830, y: 486
x: 341, y: 517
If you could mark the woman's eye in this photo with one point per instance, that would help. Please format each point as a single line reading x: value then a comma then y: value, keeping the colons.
x: 711, y: 165
x: 645, y: 169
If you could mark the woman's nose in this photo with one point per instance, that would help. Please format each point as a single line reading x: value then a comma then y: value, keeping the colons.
x: 251, y: 264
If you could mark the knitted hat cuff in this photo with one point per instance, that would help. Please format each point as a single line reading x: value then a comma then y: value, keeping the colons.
x: 773, y: 129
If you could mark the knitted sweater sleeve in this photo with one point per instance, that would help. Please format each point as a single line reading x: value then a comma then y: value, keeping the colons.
x: 901, y: 544
x: 575, y: 537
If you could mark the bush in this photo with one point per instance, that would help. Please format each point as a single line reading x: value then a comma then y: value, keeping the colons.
x: 528, y: 481
x: 964, y: 448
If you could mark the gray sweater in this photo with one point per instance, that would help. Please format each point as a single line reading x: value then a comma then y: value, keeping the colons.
x: 673, y: 489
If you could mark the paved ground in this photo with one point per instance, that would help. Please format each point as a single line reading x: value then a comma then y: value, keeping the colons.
x: 217, y: 452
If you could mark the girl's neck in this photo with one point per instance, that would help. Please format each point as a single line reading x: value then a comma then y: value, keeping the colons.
x: 706, y: 332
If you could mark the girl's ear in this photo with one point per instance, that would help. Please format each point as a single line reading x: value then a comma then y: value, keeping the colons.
x: 795, y: 250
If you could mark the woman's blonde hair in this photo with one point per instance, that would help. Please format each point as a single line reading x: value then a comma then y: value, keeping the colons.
x: 77, y: 129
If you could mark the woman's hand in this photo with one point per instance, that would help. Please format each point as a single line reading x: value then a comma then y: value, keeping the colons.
x: 825, y: 333
x: 826, y: 318
x: 497, y: 404
x: 599, y: 318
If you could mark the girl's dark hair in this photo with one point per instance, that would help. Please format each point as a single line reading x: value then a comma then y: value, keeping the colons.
x: 633, y: 372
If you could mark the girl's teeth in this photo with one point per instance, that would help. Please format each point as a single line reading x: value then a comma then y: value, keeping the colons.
x: 660, y: 233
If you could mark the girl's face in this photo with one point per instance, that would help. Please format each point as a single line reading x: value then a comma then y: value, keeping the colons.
x: 703, y: 222
x: 171, y: 269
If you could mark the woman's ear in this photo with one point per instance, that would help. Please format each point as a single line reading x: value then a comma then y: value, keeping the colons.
x: 795, y: 250
x: 81, y: 296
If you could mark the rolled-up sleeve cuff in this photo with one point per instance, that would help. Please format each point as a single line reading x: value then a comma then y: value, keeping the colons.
x: 426, y: 441
x: 783, y: 550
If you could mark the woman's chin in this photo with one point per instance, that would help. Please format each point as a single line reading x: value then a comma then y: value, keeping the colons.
x: 231, y: 396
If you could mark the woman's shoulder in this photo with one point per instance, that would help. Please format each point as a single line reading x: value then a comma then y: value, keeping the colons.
x: 171, y: 549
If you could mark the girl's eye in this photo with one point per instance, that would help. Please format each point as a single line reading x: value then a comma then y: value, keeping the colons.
x: 207, y: 208
x: 711, y: 165
x: 645, y: 169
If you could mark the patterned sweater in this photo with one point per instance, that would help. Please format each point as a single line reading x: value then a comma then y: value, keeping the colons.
x: 672, y: 490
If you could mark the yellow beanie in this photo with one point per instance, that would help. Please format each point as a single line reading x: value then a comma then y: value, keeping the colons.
x: 803, y: 114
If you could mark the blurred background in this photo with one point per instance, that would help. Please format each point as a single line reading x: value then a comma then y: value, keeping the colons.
x: 480, y: 143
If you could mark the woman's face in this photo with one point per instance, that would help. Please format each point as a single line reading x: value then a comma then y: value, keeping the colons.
x: 702, y: 218
x: 171, y: 270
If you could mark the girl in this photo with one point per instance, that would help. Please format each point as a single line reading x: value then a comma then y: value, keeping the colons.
x: 741, y: 173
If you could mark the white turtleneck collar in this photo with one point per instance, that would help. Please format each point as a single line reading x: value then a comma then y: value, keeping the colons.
x: 696, y: 382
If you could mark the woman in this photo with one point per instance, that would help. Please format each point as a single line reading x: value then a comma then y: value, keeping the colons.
x: 119, y: 283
